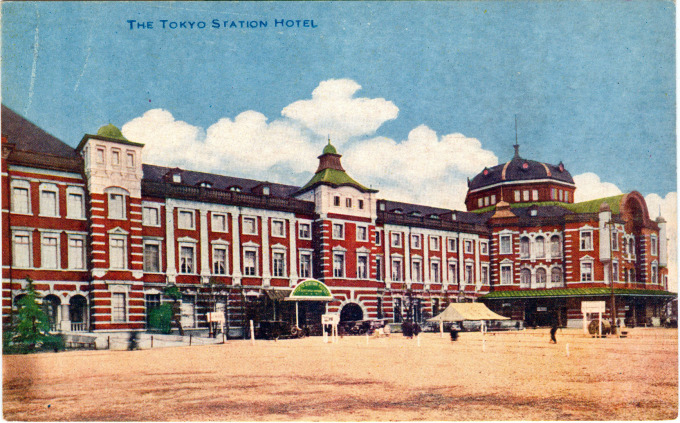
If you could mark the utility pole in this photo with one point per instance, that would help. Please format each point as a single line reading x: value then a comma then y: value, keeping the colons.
x: 610, y: 223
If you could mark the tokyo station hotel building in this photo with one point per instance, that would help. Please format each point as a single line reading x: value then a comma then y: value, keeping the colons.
x: 102, y: 235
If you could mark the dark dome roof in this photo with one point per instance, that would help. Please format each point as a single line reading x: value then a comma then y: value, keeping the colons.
x: 519, y: 169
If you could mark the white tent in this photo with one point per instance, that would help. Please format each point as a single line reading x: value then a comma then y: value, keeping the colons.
x: 458, y: 312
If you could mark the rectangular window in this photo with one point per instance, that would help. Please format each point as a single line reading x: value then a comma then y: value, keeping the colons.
x: 116, y: 206
x: 249, y: 226
x: 615, y: 240
x: 434, y: 243
x: 50, y: 252
x: 362, y: 266
x: 506, y: 274
x: 525, y: 195
x: 435, y: 271
x: 453, y: 273
x: 75, y: 206
x: 553, y: 194
x: 250, y: 263
x: 118, y: 307
x: 561, y: 195
x: 587, y: 271
x: 130, y: 159
x: 304, y: 231
x: 615, y: 270
x: 379, y: 268
x: 396, y: 269
x: 336, y: 201
x: 655, y: 245
x: 655, y: 274
x: 517, y: 196
x: 361, y: 204
x: 185, y: 219
x: 117, y: 253
x: 219, y: 222
x: 417, y: 271
x: 76, y: 253
x: 378, y: 238
x: 480, y: 202
x: 20, y: 200
x: 100, y: 154
x: 586, y: 240
x: 506, y: 245
x: 278, y: 264
x: 469, y: 278
x: 415, y: 242
x: 305, y: 265
x: 186, y: 259
x: 278, y: 228
x: 362, y: 233
x: 486, y: 201
x: 348, y: 203
x: 338, y: 231
x: 339, y: 265
x: 485, y: 275
x: 468, y: 246
x: 493, y: 199
x: 534, y: 195
x: 150, y: 216
x: 396, y: 239
x: 484, y: 247
x: 22, y: 250
x: 152, y: 257
x: 453, y: 244
x: 566, y: 196
x: 115, y: 157
x: 48, y: 203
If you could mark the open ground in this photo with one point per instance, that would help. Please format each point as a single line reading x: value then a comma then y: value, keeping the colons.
x: 506, y: 376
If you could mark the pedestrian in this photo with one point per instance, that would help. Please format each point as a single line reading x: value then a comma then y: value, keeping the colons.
x: 454, y: 333
x: 133, y: 343
x: 553, y: 331
x: 416, y: 329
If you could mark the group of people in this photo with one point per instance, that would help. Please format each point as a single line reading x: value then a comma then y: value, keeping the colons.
x: 410, y: 329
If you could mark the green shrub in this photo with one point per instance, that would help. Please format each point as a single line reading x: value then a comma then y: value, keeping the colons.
x: 160, y: 318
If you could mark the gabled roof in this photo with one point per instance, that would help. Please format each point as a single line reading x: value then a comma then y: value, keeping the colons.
x: 28, y: 137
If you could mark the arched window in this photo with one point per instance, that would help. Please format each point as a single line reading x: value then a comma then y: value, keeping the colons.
x: 525, y: 278
x: 540, y: 277
x: 556, y: 276
x: 555, y: 246
x: 540, y: 247
x: 524, y: 247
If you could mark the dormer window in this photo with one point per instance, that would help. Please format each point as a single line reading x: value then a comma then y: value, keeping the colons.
x: 177, y: 178
x: 265, y: 191
x: 434, y: 216
x: 560, y: 167
x: 397, y: 211
x: 416, y: 213
x: 205, y: 184
x: 235, y: 189
x: 382, y: 206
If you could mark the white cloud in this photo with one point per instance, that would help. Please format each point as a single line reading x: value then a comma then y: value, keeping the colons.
x: 424, y: 168
x: 590, y: 187
x: 246, y: 146
x: 334, y: 111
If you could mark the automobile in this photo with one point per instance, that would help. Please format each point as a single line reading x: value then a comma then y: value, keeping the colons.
x: 278, y: 329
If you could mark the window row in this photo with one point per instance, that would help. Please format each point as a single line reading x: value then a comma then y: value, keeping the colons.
x: 527, y: 195
x: 348, y: 202
x: 49, y: 250
x: 338, y: 232
x: 436, y: 272
x: 48, y: 200
x: 540, y: 277
x: 489, y: 200
x: 416, y: 243
x: 537, y: 248
x: 115, y: 157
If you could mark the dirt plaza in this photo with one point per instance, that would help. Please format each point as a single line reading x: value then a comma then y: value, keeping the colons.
x: 503, y: 376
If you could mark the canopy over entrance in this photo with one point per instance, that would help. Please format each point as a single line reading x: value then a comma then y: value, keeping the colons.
x: 310, y: 290
x: 458, y: 312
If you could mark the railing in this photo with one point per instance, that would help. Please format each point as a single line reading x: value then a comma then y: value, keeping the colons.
x: 160, y: 189
x: 427, y: 222
x: 78, y: 327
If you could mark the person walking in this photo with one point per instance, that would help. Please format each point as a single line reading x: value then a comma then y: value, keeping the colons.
x: 553, y: 331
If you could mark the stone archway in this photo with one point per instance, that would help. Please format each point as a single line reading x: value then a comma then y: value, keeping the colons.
x: 351, y: 312
x: 51, y: 305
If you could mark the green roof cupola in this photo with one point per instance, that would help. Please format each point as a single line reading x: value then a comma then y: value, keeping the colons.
x: 111, y: 131
x: 330, y: 172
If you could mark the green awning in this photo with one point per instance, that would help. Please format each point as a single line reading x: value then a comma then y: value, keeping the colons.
x: 310, y: 290
x: 576, y: 292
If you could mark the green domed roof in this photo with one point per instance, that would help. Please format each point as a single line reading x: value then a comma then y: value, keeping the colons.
x: 110, y: 131
x: 329, y: 149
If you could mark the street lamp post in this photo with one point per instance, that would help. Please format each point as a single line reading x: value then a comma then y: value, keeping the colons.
x: 610, y: 224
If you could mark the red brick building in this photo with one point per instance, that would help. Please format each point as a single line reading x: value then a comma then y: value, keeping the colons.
x: 103, y: 235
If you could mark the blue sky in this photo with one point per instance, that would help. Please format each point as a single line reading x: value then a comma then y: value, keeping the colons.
x: 592, y: 83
